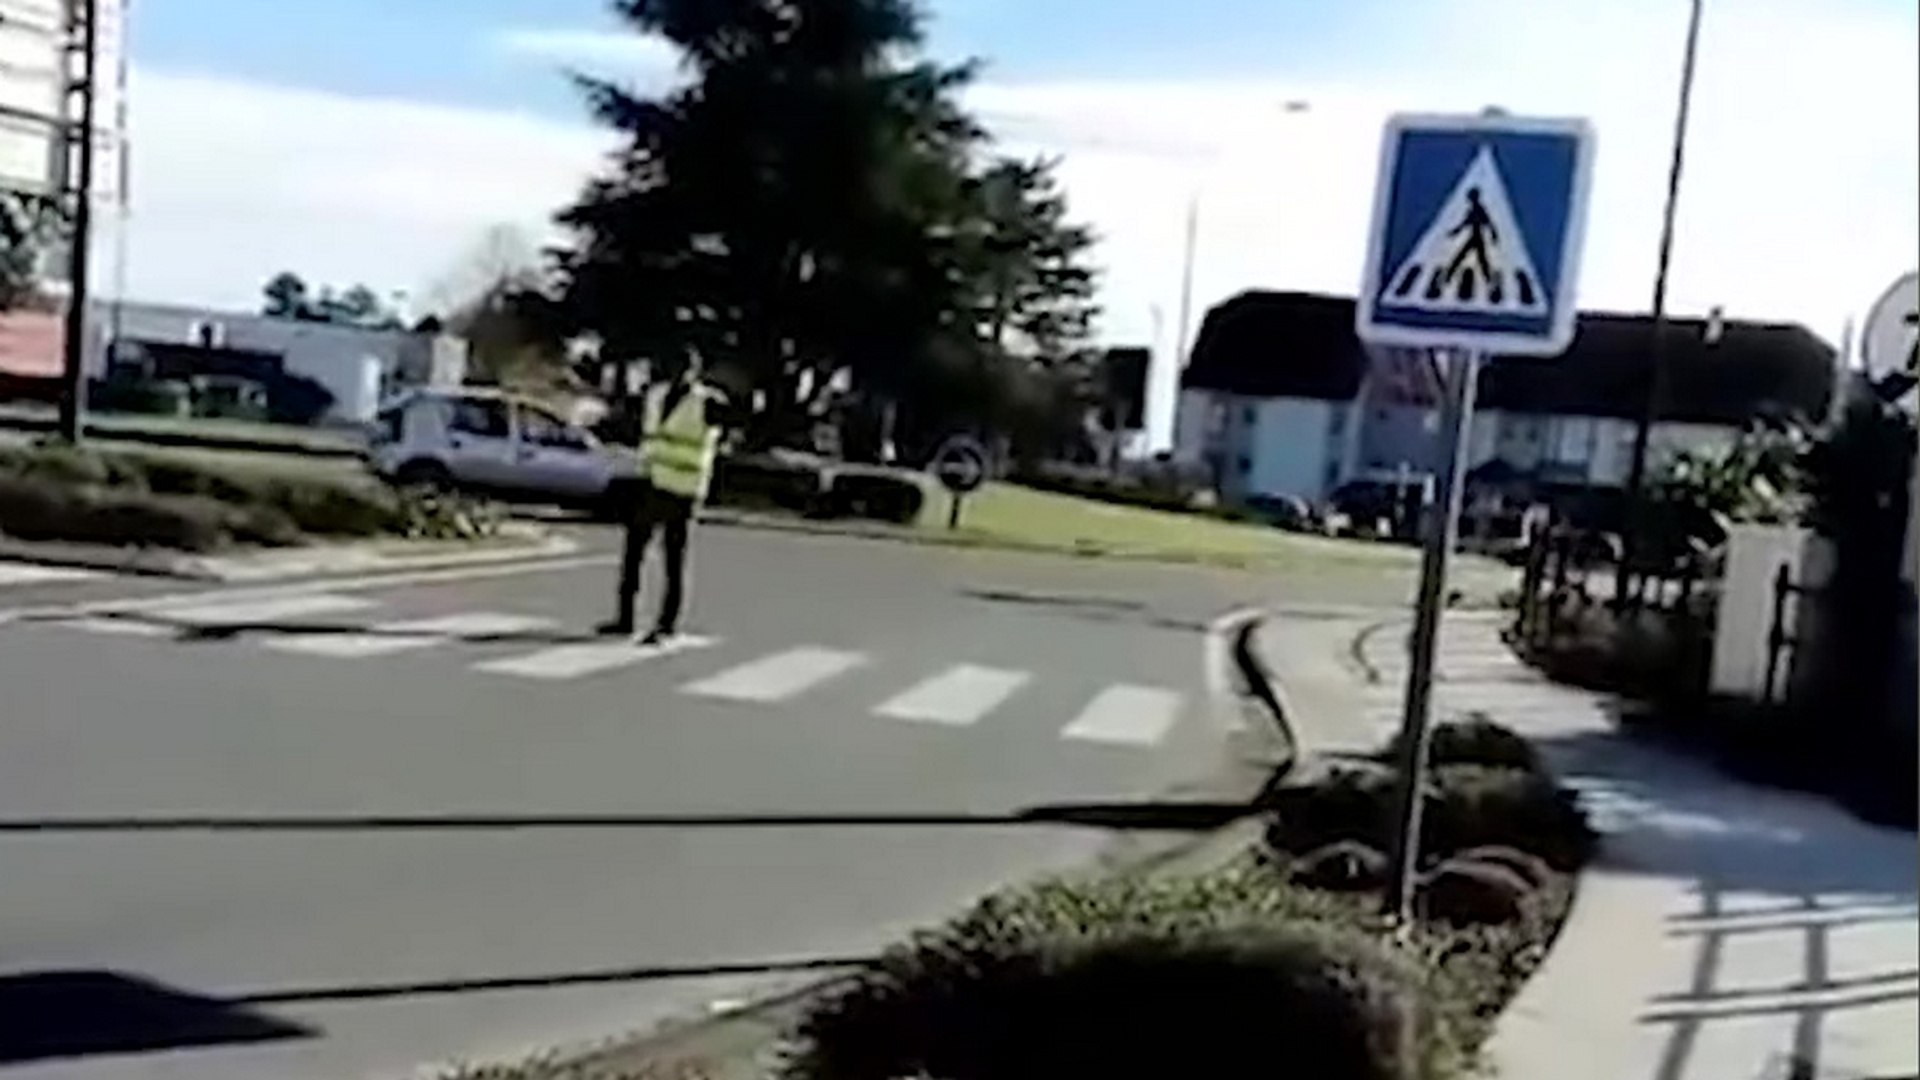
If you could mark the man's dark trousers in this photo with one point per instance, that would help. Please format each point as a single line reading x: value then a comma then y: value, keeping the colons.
x: 672, y: 515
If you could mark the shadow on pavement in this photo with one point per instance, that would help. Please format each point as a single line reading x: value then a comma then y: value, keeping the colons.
x: 1088, y: 608
x: 1784, y: 872
x: 1121, y: 816
x: 348, y: 992
x: 185, y: 631
x: 74, y: 1014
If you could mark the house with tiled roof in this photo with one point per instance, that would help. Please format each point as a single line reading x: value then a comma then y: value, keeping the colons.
x: 1280, y: 398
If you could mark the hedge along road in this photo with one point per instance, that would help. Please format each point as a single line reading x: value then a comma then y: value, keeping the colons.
x: 890, y: 703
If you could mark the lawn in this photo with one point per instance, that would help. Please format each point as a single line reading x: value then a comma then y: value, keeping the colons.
x: 1010, y: 514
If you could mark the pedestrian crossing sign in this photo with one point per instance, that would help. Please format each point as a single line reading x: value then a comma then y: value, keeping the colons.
x: 1477, y: 229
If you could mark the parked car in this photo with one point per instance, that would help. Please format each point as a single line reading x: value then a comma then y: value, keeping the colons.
x: 493, y: 443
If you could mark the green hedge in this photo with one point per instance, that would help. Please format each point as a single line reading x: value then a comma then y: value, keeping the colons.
x: 1233, y: 974
x: 57, y: 492
x: 1468, y: 806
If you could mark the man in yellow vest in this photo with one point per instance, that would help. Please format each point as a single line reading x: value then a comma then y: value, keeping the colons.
x: 678, y: 444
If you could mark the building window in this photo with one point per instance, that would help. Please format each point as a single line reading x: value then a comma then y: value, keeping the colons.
x: 1245, y: 464
x: 1249, y: 415
x: 1338, y: 425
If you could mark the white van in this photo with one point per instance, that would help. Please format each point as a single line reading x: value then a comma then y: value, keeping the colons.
x: 492, y: 443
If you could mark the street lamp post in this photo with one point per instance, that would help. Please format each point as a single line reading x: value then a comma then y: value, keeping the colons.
x: 1656, y: 355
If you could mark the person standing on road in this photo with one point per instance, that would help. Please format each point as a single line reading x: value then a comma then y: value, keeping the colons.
x: 680, y: 438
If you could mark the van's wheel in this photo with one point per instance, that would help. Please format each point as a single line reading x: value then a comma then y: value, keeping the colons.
x: 430, y: 475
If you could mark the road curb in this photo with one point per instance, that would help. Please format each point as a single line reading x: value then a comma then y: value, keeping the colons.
x: 732, y: 1042
x: 278, y: 565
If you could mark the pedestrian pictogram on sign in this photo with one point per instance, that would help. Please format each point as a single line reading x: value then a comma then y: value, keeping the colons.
x: 1476, y: 234
x: 1473, y: 257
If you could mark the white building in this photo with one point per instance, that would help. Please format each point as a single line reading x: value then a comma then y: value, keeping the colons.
x: 1281, y: 399
x: 359, y: 366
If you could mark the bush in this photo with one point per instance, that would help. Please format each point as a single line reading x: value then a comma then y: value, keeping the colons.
x: 1468, y: 806
x: 764, y: 481
x: 81, y: 495
x: 1476, y: 740
x: 875, y: 496
x: 151, y: 397
x: 1474, y: 806
x: 1125, y: 1001
x: 1348, y: 866
x: 1473, y: 894
x: 36, y: 508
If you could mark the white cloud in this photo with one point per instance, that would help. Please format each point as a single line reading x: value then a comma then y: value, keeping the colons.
x: 234, y: 180
x: 1800, y: 200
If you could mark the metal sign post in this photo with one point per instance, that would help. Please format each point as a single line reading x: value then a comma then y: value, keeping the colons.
x: 1463, y: 377
x: 1477, y: 230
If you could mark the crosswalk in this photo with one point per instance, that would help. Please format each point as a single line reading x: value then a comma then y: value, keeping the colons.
x: 22, y: 574
x: 535, y: 649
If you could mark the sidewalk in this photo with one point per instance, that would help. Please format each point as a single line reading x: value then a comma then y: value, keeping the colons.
x: 1726, y: 932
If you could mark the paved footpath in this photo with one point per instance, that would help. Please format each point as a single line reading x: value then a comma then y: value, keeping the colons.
x: 1726, y: 932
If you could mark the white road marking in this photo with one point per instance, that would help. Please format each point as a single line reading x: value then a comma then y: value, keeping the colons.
x: 777, y: 677
x: 18, y: 573
x: 364, y: 583
x: 117, y: 627
x: 253, y: 612
x: 958, y: 696
x: 1126, y: 716
x: 407, y: 636
x: 573, y: 661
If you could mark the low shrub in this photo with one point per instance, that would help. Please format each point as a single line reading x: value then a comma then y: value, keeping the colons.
x: 55, y: 492
x: 1348, y: 866
x: 1124, y: 1002
x: 875, y: 496
x: 763, y: 481
x: 1476, y: 806
x: 1531, y: 868
x: 1351, y: 804
x: 1466, y: 893
x: 1468, y: 806
x: 149, y: 397
x: 35, y: 508
x: 1476, y: 740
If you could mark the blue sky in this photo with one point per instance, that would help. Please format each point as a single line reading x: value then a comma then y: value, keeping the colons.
x: 378, y: 140
x: 440, y: 50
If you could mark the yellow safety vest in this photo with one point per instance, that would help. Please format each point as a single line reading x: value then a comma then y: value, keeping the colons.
x: 680, y: 447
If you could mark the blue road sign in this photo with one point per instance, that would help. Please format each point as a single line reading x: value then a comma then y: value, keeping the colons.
x: 1477, y: 228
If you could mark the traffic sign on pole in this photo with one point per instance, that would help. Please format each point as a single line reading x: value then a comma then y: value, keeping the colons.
x: 961, y: 465
x: 1890, y: 345
x: 1475, y: 248
x: 1477, y: 230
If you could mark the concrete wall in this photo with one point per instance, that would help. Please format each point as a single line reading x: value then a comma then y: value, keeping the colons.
x: 1755, y: 555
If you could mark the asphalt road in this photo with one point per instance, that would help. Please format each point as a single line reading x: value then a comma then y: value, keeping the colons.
x: 831, y: 679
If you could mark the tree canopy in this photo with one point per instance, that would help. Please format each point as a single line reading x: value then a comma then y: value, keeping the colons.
x: 815, y: 212
x: 288, y: 296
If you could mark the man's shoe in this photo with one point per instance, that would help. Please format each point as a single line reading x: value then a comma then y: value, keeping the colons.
x: 614, y: 628
x: 657, y: 636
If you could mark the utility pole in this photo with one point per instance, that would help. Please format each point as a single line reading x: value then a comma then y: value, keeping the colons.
x: 1656, y: 355
x: 1186, y: 282
x: 82, y: 52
